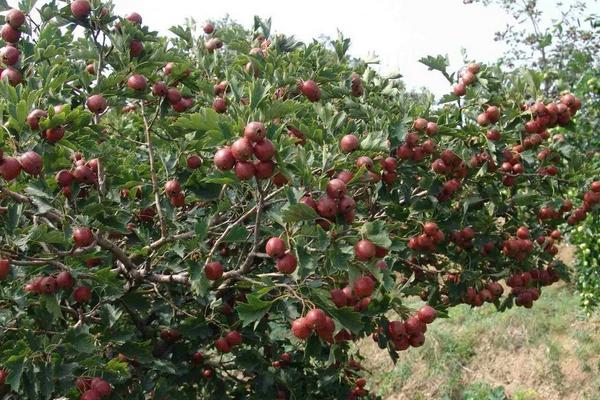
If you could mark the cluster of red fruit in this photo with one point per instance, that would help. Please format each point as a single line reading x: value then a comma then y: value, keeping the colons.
x: 410, y: 149
x: 335, y: 202
x: 357, y: 296
x: 549, y: 115
x: 238, y: 155
x: 511, y: 166
x: 547, y: 241
x: 51, y: 135
x: 430, y: 237
x: 10, y: 33
x: 84, y: 173
x: 590, y: 199
x: 211, y: 43
x: 197, y: 359
x: 286, y: 262
x: 491, y: 115
x: 63, y: 280
x: 226, y: 343
x: 177, y: 101
x: 524, y: 286
x: 449, y: 163
x: 468, y: 77
x: 30, y: 162
x: 410, y: 332
x: 176, y: 195
x: 463, y: 238
x: 520, y: 246
x: 316, y: 320
x: 491, y: 292
x: 548, y: 212
x: 93, y: 388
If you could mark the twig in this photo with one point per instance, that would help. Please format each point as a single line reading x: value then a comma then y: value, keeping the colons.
x: 161, y: 218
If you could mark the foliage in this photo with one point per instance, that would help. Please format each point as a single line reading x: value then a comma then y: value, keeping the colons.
x: 124, y: 202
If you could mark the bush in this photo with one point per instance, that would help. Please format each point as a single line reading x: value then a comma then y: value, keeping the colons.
x: 222, y: 213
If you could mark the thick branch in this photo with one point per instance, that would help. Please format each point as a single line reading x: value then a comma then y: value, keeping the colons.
x: 117, y: 252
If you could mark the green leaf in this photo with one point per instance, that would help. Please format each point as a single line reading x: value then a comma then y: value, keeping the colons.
x: 375, y: 141
x: 80, y: 339
x: 253, y: 310
x: 376, y: 233
x: 347, y: 317
x: 438, y: 63
x: 298, y: 212
x: 50, y: 302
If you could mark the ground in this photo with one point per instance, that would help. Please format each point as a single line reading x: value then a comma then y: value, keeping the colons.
x: 550, y: 352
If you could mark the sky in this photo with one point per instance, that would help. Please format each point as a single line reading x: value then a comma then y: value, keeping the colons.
x: 399, y: 32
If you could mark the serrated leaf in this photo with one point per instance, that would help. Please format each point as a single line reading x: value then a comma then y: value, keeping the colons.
x: 298, y: 212
x: 376, y: 233
x: 253, y: 310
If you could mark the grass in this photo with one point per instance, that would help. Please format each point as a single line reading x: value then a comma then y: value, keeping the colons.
x: 548, y: 352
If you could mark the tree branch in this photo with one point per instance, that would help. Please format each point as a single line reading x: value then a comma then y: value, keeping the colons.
x: 161, y: 218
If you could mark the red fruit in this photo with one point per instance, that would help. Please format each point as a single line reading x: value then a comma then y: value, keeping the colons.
x: 327, y: 207
x: 427, y: 314
x: 493, y: 113
x: 279, y: 179
x: 197, y: 358
x: 338, y: 297
x: 173, y: 95
x: 389, y: 164
x: 83, y: 174
x: 224, y: 159
x: 178, y: 200
x: 81, y: 9
x: 172, y: 187
x: 345, y: 176
x: 96, y: 104
x: 207, y: 373
x: 264, y: 169
x: 496, y: 289
x: 241, y: 149
x: 64, y: 280
x: 404, y: 152
x: 244, y: 170
x: 493, y: 134
x: 255, y: 131
x: 275, y: 247
x: 82, y: 294
x: 431, y: 129
x: 349, y: 143
x: 364, y: 161
x: 468, y: 77
x: 83, y: 237
x: 420, y: 124
x: 396, y: 329
x: 595, y: 187
x: 264, y: 150
x: 311, y: 90
x: 298, y: 136
x: 47, y: 285
x: 31, y: 162
x: 430, y: 228
x: 9, y: 55
x: 134, y: 18
x: 301, y: 328
x: 194, y: 161
x: 459, y: 89
x: 363, y: 286
x: 90, y: 69
x: 90, y: 395
x: 336, y: 188
x: 213, y: 270
x: 101, y: 386
x: 208, y: 28
x: 315, y: 318
x: 137, y: 82
x: 160, y: 89
x: 364, y: 250
x: 10, y: 34
x: 4, y: 268
x: 53, y: 135
x: 439, y: 166
x: 473, y: 68
x: 219, y: 105
x: 414, y: 326
x: 15, y: 18
x: 33, y: 119
x: 222, y: 345
x: 411, y: 139
x: 286, y: 264
x: 483, y: 119
x: 346, y: 204
x: 13, y: 75
x: 523, y: 232
x: 234, y: 338
x: 417, y: 340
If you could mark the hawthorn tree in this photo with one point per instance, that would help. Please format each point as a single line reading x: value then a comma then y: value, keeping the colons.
x: 222, y: 213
